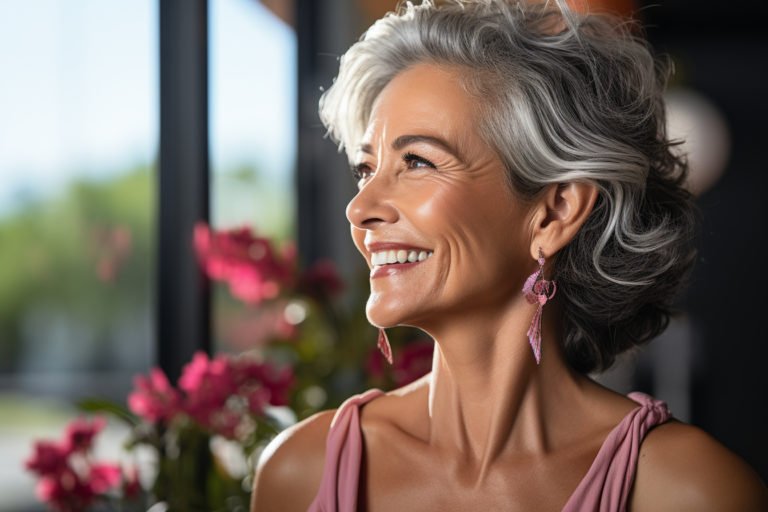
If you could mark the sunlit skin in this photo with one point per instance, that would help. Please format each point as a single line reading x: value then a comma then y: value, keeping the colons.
x: 488, y: 428
x: 425, y: 194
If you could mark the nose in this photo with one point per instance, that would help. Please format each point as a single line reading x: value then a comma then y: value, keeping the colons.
x: 373, y: 204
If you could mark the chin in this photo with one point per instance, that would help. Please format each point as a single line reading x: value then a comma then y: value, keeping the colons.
x: 384, y: 314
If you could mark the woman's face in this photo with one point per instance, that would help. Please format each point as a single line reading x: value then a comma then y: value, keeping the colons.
x: 430, y: 187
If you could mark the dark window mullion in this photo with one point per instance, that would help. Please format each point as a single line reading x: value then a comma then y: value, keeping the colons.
x: 183, y: 298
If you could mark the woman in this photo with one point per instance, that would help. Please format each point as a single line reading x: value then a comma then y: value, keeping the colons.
x: 520, y: 203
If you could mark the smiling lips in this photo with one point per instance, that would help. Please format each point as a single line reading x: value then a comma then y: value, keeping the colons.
x: 391, y: 259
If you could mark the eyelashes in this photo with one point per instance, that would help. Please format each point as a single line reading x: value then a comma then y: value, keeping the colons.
x: 360, y: 171
x: 412, y: 159
x: 363, y: 171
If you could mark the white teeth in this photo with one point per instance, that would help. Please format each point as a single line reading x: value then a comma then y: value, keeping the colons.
x: 399, y: 256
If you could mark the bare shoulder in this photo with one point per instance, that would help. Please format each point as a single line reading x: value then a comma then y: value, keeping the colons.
x: 683, y: 468
x: 403, y: 409
x: 291, y: 466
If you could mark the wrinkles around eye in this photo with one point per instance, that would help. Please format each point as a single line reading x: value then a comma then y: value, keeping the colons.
x: 363, y: 171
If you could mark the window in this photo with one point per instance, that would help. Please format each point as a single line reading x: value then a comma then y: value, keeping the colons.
x: 78, y: 138
x: 252, y: 73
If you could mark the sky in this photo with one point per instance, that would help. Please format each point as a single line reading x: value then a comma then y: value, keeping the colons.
x: 79, y: 90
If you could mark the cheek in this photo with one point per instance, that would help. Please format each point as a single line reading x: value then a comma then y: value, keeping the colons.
x: 482, y: 230
x: 472, y: 219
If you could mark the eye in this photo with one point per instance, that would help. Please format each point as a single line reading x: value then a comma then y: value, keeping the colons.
x: 415, y: 161
x: 361, y: 173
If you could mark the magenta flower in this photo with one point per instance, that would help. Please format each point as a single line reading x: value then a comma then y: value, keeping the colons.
x: 70, y: 481
x: 103, y: 477
x: 249, y: 328
x: 273, y: 384
x: 65, y: 492
x: 131, y: 484
x: 258, y: 399
x: 153, y: 398
x: 225, y: 422
x: 80, y: 433
x: 250, y: 265
x: 49, y: 458
x: 321, y: 280
x: 208, y: 384
x: 220, y: 392
x: 414, y: 361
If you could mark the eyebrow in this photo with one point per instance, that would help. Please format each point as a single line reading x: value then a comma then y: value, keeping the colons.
x: 406, y: 140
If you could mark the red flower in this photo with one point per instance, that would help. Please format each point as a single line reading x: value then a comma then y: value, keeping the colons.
x: 414, y: 361
x: 257, y: 399
x: 65, y: 492
x: 50, y: 458
x: 225, y: 422
x: 154, y: 399
x: 247, y: 328
x: 274, y: 383
x: 219, y: 393
x: 131, y: 484
x: 80, y: 433
x: 374, y: 365
x: 104, y: 477
x: 321, y: 280
x: 70, y: 480
x: 248, y: 264
x: 208, y: 384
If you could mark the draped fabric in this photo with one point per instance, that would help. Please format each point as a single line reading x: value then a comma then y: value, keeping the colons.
x: 605, y: 487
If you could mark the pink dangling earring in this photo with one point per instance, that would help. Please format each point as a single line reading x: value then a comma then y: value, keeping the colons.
x: 384, y: 346
x: 538, y: 290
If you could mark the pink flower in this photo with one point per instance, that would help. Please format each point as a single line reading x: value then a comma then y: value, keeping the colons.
x: 131, y: 484
x: 104, y: 477
x: 250, y: 374
x: 80, y: 433
x: 374, y: 365
x: 153, y: 398
x: 414, y: 361
x: 65, y: 492
x: 50, y: 458
x: 111, y: 247
x: 208, y: 384
x: 248, y: 328
x: 321, y: 280
x: 70, y: 479
x: 248, y: 264
x: 225, y: 422
x: 257, y: 399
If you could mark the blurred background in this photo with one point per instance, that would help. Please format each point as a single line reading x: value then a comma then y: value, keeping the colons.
x: 86, y: 280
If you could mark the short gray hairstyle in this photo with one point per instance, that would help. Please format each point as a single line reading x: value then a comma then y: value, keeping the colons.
x: 563, y: 97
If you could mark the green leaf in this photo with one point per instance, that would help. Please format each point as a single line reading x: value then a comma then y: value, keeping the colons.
x: 94, y: 405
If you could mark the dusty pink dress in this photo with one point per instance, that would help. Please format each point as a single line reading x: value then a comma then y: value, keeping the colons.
x: 605, y: 487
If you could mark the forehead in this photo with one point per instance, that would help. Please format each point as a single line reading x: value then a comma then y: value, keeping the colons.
x: 424, y: 98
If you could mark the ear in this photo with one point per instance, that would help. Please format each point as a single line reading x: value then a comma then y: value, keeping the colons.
x: 559, y: 214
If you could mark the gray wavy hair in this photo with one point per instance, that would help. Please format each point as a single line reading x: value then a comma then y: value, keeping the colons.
x: 564, y: 97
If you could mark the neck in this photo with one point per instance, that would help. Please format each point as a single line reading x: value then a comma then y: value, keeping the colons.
x: 488, y: 398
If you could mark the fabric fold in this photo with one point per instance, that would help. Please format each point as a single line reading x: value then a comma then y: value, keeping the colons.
x: 604, y: 488
x: 343, y: 453
x: 607, y: 484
